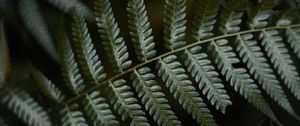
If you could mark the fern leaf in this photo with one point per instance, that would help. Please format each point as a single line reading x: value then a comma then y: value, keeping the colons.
x: 4, y: 56
x: 174, y: 23
x: 125, y: 103
x: 26, y: 108
x: 205, y: 18
x: 253, y: 56
x: 140, y: 30
x: 69, y: 67
x: 66, y: 5
x: 71, y: 116
x: 153, y: 98
x: 260, y: 14
x: 281, y: 60
x: 286, y: 17
x: 238, y: 77
x: 207, y: 78
x: 46, y: 86
x: 34, y: 22
x: 231, y: 16
x: 109, y: 31
x: 177, y: 81
x: 98, y: 110
x: 293, y: 38
x: 89, y: 62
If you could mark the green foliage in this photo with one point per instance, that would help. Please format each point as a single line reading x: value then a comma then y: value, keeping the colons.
x: 26, y: 108
x: 140, y: 30
x: 152, y: 97
x: 182, y: 89
x: 202, y: 55
x: 109, y: 31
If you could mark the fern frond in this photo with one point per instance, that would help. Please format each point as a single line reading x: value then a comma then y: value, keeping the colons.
x: 34, y: 22
x: 293, y: 38
x: 231, y: 16
x: 174, y: 23
x: 46, y: 86
x: 205, y: 18
x: 4, y: 56
x: 71, y: 116
x: 26, y: 108
x: 89, y: 62
x: 182, y: 89
x: 98, y: 110
x: 207, y: 78
x: 66, y: 5
x: 69, y: 67
x: 260, y: 14
x: 125, y: 103
x: 114, y: 45
x: 239, y: 79
x: 253, y: 57
x: 153, y: 98
x: 281, y: 60
x: 140, y: 30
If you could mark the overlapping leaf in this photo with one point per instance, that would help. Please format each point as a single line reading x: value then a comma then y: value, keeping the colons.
x: 71, y: 116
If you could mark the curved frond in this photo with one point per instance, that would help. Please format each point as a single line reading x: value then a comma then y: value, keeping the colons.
x: 34, y: 22
x: 46, y: 86
x: 98, y: 110
x: 182, y: 89
x: 207, y: 78
x: 239, y: 79
x: 153, y: 98
x: 89, y: 62
x: 115, y: 47
x: 281, y: 60
x: 253, y: 57
x: 71, y: 116
x: 125, y: 103
x: 66, y: 5
x: 4, y: 56
x: 205, y: 18
x: 259, y: 15
x: 293, y: 38
x: 231, y: 16
x: 26, y: 108
x: 140, y: 30
x: 69, y: 67
x: 174, y: 21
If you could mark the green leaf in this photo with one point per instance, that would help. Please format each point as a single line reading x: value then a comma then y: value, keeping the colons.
x: 207, y: 78
x: 183, y: 90
x: 253, y: 57
x: 69, y: 67
x: 125, y: 103
x: 89, y: 62
x: 174, y: 21
x: 26, y: 108
x: 281, y: 60
x: 259, y: 15
x: 286, y: 17
x: 231, y: 16
x: 66, y: 5
x: 98, y: 110
x: 4, y: 56
x: 153, y: 98
x: 293, y: 38
x: 46, y: 86
x: 140, y: 30
x: 115, y: 47
x: 205, y: 18
x: 71, y: 116
x: 34, y: 22
x: 239, y: 79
